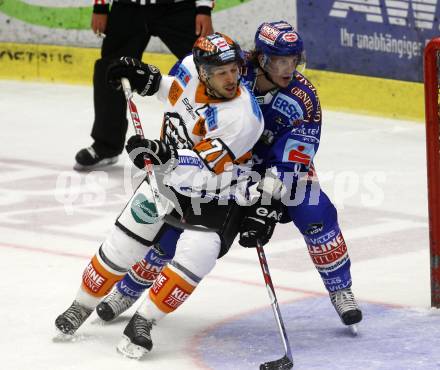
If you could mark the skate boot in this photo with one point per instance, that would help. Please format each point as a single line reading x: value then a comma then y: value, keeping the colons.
x: 71, y: 319
x: 88, y: 159
x: 114, y: 304
x: 345, y: 305
x: 136, y: 340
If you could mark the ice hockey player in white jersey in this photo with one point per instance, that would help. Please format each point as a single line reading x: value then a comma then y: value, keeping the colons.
x: 211, y: 122
x: 293, y: 123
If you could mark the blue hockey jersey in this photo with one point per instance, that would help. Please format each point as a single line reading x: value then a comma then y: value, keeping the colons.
x: 292, y: 127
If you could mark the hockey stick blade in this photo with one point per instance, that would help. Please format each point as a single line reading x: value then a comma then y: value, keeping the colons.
x: 283, y: 363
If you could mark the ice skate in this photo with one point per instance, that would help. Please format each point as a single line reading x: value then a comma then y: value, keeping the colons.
x: 71, y: 319
x: 88, y: 159
x: 347, y: 308
x: 136, y: 341
x: 114, y: 304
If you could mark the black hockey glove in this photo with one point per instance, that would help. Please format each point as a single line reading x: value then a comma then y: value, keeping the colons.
x: 159, y: 152
x: 144, y: 78
x: 259, y: 223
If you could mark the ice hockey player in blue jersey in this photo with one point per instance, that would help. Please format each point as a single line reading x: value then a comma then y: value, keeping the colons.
x: 284, y: 157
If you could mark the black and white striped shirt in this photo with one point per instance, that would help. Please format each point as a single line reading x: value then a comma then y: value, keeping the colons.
x: 203, y: 6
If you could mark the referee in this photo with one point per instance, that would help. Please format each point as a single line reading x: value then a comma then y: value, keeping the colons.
x: 127, y: 26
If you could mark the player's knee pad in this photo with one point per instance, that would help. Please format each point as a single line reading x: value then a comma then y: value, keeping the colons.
x: 138, y: 219
x: 197, y: 252
x: 121, y: 250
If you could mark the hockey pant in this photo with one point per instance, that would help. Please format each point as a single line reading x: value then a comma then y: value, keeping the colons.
x: 318, y: 223
x: 137, y: 229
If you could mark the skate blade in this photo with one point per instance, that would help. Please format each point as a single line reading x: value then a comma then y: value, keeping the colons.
x: 353, y: 329
x: 100, y: 322
x: 101, y: 164
x: 130, y: 350
x: 61, y: 337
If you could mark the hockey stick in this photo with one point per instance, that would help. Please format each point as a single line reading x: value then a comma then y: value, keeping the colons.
x: 148, y: 166
x: 285, y: 362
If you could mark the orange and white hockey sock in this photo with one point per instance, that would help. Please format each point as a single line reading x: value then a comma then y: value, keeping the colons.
x: 171, y: 288
x: 98, y: 279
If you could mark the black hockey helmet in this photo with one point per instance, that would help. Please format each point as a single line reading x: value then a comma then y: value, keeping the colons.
x: 216, y: 50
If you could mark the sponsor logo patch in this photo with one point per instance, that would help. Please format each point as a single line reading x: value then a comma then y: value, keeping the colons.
x: 150, y: 267
x: 328, y: 253
x: 177, y: 296
x: 290, y: 37
x: 92, y: 279
x: 211, y: 118
x: 288, y: 107
x: 314, y: 229
x: 299, y: 152
x: 186, y: 160
x: 189, y: 108
x: 175, y: 92
x: 183, y: 75
x: 269, y: 34
x: 143, y: 211
x: 159, y: 283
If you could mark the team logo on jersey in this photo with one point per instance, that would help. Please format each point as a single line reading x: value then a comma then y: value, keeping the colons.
x: 288, y: 107
x: 174, y: 131
x: 298, y: 152
x: 183, y: 75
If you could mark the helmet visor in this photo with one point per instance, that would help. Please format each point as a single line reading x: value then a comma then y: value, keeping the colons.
x: 223, y: 70
x: 281, y: 65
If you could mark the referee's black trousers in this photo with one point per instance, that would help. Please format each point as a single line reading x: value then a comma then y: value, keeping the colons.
x: 129, y: 29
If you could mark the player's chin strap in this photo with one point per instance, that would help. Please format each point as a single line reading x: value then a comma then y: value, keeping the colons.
x: 161, y: 210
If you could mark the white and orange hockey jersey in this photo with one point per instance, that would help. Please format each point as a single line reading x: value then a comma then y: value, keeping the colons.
x: 214, y: 137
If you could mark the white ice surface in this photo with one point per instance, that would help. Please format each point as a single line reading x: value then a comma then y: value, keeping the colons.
x: 373, y: 168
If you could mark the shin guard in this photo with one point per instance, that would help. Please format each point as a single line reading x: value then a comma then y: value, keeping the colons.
x: 328, y: 252
x: 142, y: 274
x: 100, y: 275
x: 170, y: 289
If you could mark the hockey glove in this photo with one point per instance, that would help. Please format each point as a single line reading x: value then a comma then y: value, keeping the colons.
x: 159, y: 152
x: 259, y: 223
x: 144, y: 78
